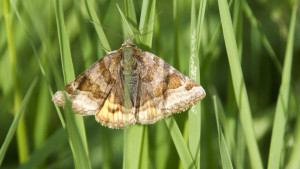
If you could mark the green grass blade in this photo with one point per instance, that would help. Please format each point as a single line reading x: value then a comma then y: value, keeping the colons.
x: 42, y: 119
x: 38, y: 60
x: 161, y: 145
x: 22, y: 139
x: 293, y: 162
x: 282, y: 101
x: 130, y: 13
x: 181, y: 147
x: 176, y: 35
x: 133, y: 137
x: 16, y: 121
x: 131, y: 18
x: 126, y: 27
x: 147, y: 22
x: 194, y: 72
x: 66, y: 60
x: 200, y: 21
x: 239, y: 85
x: 75, y: 124
x: 266, y: 43
x: 51, y: 145
x: 225, y: 156
x: 98, y: 26
x: 144, y: 157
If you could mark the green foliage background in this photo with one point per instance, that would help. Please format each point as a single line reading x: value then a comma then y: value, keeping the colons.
x: 246, y: 53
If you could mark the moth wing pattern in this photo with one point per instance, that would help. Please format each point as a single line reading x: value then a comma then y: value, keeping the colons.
x: 156, y: 89
x: 164, y: 90
x: 112, y: 113
x: 88, y: 91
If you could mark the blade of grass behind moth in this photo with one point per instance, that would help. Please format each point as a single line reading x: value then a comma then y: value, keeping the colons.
x: 241, y: 149
x: 225, y: 156
x: 182, y: 149
x: 231, y: 120
x: 16, y: 121
x: 282, y: 101
x: 194, y: 72
x: 210, y: 49
x: 86, y: 44
x: 131, y: 18
x: 75, y: 124
x: 239, y: 85
x: 42, y: 115
x: 144, y: 157
x: 97, y: 24
x: 238, y: 25
x: 126, y: 26
x: 266, y: 43
x: 176, y: 35
x: 147, y: 22
x: 38, y: 60
x: 185, y: 134
x: 161, y: 148
x: 293, y: 161
x: 133, y: 136
x: 225, y: 123
x: 22, y: 140
x: 51, y: 145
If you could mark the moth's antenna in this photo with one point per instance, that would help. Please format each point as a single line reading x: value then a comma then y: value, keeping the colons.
x: 147, y: 25
x: 110, y: 30
x: 107, y: 29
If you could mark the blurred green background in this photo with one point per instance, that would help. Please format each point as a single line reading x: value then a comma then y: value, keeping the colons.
x: 29, y: 34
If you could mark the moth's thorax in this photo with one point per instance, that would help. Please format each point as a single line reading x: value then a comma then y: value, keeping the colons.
x: 127, y: 55
x: 130, y: 53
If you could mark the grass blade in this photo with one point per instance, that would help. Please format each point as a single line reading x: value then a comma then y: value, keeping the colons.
x: 225, y: 156
x: 133, y: 137
x: 265, y: 41
x: 181, y: 147
x: 38, y: 60
x: 239, y: 85
x: 75, y: 125
x: 126, y: 26
x: 194, y: 72
x: 98, y: 27
x: 144, y: 157
x: 52, y: 144
x: 147, y: 22
x: 282, y: 101
x: 131, y: 18
x: 22, y: 140
x: 293, y: 161
x: 16, y: 121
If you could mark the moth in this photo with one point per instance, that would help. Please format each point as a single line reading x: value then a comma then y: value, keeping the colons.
x: 130, y: 86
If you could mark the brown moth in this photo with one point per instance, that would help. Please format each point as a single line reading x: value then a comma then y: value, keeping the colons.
x: 130, y: 85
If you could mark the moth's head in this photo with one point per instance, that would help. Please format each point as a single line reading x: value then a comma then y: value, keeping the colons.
x: 128, y: 43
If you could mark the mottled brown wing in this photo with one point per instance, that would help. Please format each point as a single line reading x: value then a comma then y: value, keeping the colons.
x: 112, y: 113
x: 99, y: 91
x: 163, y: 89
x: 89, y: 90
